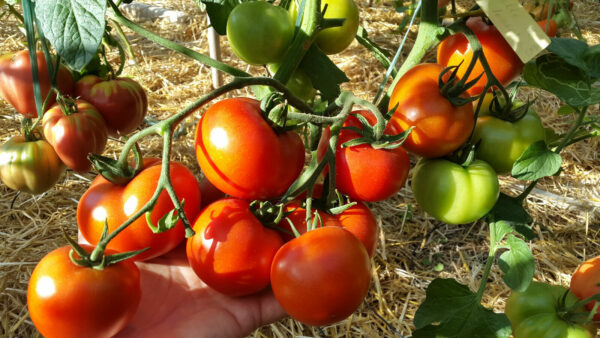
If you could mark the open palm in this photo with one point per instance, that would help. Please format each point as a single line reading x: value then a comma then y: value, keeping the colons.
x: 176, y: 303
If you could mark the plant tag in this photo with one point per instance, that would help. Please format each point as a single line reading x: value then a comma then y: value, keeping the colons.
x: 519, y: 29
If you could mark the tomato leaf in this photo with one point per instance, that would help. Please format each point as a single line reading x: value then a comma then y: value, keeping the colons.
x: 592, y: 60
x: 167, y: 222
x: 458, y: 312
x: 82, y: 21
x: 379, y: 53
x: 568, y: 82
x: 510, y: 210
x: 570, y: 50
x: 324, y: 74
x: 537, y: 161
x: 218, y: 13
x: 517, y: 264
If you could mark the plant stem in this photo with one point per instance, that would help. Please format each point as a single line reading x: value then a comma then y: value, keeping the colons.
x: 489, y: 263
x: 118, y: 17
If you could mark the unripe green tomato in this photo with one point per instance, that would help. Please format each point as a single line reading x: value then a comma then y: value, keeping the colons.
x: 259, y: 32
x: 299, y: 83
x: 503, y: 142
x: 29, y: 166
x: 453, y: 194
x: 334, y: 39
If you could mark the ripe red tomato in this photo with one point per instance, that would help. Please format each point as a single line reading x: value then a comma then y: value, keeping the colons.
x: 585, y: 281
x: 322, y: 276
x: 75, y: 134
x: 121, y: 101
x: 242, y: 155
x: 209, y: 192
x: 363, y: 172
x: 67, y: 300
x: 439, y: 127
x: 297, y: 216
x: 232, y: 251
x: 115, y: 203
x: 503, y: 60
x: 361, y: 222
x: 16, y: 81
x: 552, y: 28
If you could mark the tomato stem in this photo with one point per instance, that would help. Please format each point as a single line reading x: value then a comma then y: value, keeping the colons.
x: 489, y: 262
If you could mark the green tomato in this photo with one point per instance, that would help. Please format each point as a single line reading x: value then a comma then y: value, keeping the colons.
x: 503, y: 142
x: 452, y: 193
x: 299, y: 83
x: 29, y: 166
x: 538, y: 312
x: 259, y: 32
x: 335, y: 39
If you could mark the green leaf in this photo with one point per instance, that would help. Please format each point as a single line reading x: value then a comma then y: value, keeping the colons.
x: 570, y: 50
x: 592, y: 61
x: 458, y: 312
x: 537, y: 161
x: 569, y: 83
x: 517, y: 264
x: 565, y: 110
x: 502, y: 229
x: 509, y: 209
x: 324, y: 74
x: 167, y: 222
x: 74, y: 27
x: 379, y: 53
x: 218, y: 13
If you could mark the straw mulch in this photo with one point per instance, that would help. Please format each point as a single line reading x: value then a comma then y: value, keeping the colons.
x: 413, y: 248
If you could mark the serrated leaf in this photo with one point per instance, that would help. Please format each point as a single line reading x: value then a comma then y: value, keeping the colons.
x: 74, y: 27
x: 537, y: 161
x: 324, y: 74
x: 517, y: 264
x: 379, y: 53
x: 458, y: 313
x: 569, y: 83
x: 167, y: 222
x: 509, y: 209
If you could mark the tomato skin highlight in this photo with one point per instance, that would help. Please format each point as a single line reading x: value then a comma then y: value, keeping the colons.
x: 585, y: 280
x: 76, y: 135
x: 67, y: 300
x: 16, y: 81
x: 503, y: 61
x: 501, y: 143
x: 115, y: 203
x: 270, y: 162
x: 321, y: 277
x: 29, y: 166
x: 261, y: 41
x: 231, y: 250
x: 533, y: 313
x: 121, y: 101
x: 453, y: 194
x: 439, y: 127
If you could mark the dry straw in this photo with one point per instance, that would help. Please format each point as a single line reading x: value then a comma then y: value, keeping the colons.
x: 413, y: 248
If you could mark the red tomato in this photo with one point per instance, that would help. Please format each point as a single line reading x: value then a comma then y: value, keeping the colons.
x: 439, y: 127
x: 209, y: 192
x: 114, y: 203
x: 297, y: 217
x: 75, y: 134
x: 552, y: 28
x: 16, y: 81
x: 231, y: 250
x: 585, y: 282
x: 67, y: 300
x: 242, y: 155
x: 443, y: 3
x: 365, y: 173
x: 503, y: 60
x: 121, y: 101
x: 322, y: 276
x: 361, y: 222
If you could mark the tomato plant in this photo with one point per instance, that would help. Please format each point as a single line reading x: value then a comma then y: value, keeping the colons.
x: 550, y: 27
x: 366, y: 173
x: 106, y: 201
x: 299, y: 83
x: 270, y: 162
x: 585, y: 281
x: 232, y: 251
x: 503, y: 61
x: 29, y: 166
x: 259, y: 41
x: 452, y: 193
x: 16, y: 81
x: 121, y: 101
x: 75, y: 130
x: 541, y: 311
x: 68, y: 300
x: 501, y: 142
x: 322, y: 276
x: 439, y: 126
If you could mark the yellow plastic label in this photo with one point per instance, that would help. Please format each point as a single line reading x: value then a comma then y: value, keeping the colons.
x: 516, y: 25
